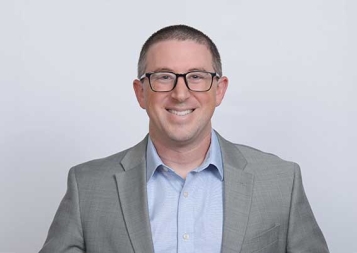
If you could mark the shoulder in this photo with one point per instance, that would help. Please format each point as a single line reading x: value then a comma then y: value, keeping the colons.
x: 257, y: 162
x: 261, y: 160
x: 254, y: 155
x: 112, y: 164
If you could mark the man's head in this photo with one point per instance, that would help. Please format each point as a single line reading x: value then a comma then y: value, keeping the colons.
x: 181, y: 114
x: 180, y: 33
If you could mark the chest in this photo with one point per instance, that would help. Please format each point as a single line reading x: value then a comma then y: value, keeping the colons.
x: 185, y: 215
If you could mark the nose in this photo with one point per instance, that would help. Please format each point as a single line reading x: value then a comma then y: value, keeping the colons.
x: 181, y: 92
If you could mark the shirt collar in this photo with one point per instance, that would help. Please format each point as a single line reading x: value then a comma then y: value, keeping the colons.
x: 213, y: 157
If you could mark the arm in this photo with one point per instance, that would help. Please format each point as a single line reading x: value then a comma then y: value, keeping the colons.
x: 304, y: 234
x: 65, y: 234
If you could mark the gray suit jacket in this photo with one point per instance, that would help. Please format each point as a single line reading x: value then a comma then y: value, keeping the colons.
x: 265, y: 207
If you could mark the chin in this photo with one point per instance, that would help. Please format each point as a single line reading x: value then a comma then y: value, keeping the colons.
x: 179, y: 135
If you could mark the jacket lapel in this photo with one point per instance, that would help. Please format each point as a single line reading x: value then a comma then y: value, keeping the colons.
x: 131, y: 185
x: 238, y: 190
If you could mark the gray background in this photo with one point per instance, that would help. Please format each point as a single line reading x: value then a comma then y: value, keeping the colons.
x: 66, y: 71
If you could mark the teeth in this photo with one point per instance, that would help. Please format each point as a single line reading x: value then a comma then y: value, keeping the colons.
x: 180, y: 113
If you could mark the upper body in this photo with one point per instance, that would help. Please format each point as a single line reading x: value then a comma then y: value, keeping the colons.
x: 111, y: 204
x: 265, y: 207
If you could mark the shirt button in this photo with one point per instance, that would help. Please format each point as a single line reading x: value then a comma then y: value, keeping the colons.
x: 185, y: 194
x: 186, y: 237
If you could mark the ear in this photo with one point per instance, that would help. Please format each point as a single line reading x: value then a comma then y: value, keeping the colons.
x: 139, y: 93
x: 222, y: 86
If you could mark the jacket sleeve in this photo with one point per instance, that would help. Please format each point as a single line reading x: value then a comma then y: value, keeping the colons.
x: 304, y: 234
x: 65, y: 234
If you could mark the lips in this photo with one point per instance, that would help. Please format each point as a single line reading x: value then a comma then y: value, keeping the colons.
x: 181, y: 112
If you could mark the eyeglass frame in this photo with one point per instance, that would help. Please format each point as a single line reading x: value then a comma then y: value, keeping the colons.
x: 148, y: 74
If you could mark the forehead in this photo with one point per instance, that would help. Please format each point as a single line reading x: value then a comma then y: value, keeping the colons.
x: 179, y: 56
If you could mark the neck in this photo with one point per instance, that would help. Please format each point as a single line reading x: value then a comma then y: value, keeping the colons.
x: 185, y: 158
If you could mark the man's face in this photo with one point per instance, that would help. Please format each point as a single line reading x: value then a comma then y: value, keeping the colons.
x: 181, y: 116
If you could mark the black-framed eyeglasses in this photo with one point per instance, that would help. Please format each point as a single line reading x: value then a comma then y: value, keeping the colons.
x: 199, y: 81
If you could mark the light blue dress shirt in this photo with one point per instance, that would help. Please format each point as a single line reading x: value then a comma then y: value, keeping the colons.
x: 186, y: 215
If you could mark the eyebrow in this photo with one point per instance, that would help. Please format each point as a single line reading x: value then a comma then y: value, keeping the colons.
x: 171, y: 70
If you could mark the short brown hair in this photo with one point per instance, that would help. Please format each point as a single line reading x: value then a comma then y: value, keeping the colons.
x: 179, y: 32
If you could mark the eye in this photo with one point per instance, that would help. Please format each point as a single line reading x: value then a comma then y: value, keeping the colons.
x: 197, y: 76
x: 163, y: 77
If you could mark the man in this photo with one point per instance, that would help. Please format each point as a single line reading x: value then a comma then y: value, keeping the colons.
x: 184, y: 188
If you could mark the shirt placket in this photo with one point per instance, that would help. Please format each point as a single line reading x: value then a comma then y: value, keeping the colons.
x: 185, y: 218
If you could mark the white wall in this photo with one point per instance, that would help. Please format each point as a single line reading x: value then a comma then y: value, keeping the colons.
x: 66, y: 69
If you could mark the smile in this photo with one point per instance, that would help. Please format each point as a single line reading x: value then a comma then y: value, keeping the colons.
x: 180, y: 113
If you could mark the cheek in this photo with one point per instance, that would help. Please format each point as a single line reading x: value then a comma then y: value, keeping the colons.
x: 208, y: 100
x: 153, y: 101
